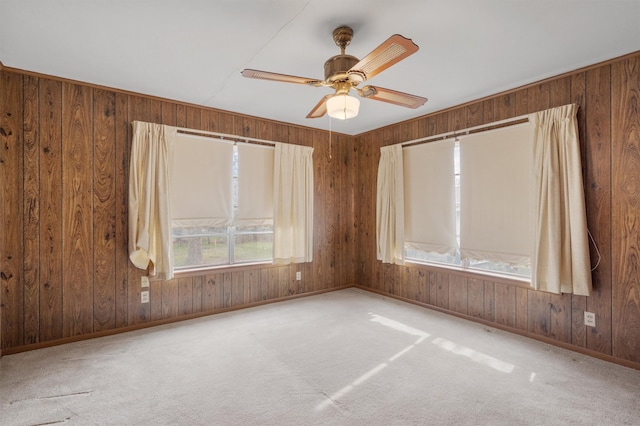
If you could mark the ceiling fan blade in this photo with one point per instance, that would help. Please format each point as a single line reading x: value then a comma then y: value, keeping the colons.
x: 390, y: 52
x: 320, y: 109
x: 392, y: 97
x: 265, y: 75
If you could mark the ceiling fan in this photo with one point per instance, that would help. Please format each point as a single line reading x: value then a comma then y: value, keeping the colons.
x: 345, y: 72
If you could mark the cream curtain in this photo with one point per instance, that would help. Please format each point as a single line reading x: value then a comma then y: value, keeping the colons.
x: 292, y: 204
x: 560, y: 261
x: 149, y: 198
x: 430, y: 199
x: 390, y: 206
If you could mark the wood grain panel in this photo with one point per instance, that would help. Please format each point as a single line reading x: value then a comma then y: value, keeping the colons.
x: 227, y: 287
x: 625, y: 101
x: 560, y: 317
x: 104, y: 210
x: 185, y: 296
x: 475, y: 297
x: 237, y: 288
x: 11, y: 190
x: 559, y: 92
x: 170, y: 301
x: 77, y: 217
x: 504, y: 107
x: 51, y: 297
x: 539, y: 312
x: 31, y: 210
x: 596, y: 150
x: 197, y: 294
x: 522, y: 309
x: 442, y: 290
x: 505, y: 304
x: 121, y: 183
x: 475, y: 114
x: 489, y: 301
x: 458, y: 294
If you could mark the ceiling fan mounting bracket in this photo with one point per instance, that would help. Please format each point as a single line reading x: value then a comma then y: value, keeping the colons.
x: 342, y: 37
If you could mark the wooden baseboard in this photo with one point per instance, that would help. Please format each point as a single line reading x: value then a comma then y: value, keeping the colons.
x: 568, y: 346
x: 57, y: 342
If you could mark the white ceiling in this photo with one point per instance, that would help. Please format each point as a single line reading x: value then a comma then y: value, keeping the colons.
x: 194, y: 50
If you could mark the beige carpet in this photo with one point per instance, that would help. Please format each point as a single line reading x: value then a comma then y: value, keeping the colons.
x: 343, y: 358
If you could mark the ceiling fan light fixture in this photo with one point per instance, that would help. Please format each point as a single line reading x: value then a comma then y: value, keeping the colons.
x: 343, y: 106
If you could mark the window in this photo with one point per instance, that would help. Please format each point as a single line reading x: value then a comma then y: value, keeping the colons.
x: 489, y: 181
x: 222, y: 203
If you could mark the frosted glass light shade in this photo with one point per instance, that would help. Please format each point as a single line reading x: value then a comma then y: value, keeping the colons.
x: 343, y: 107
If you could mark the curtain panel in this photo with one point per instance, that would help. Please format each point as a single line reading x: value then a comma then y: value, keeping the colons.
x: 390, y: 206
x: 560, y: 262
x: 150, y: 243
x: 292, y: 204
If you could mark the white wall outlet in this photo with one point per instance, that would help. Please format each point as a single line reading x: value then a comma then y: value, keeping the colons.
x: 144, y: 296
x: 144, y: 281
x: 298, y: 276
x: 589, y: 319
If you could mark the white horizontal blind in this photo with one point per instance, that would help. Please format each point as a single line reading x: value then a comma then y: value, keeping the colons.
x: 201, y: 182
x: 495, y: 191
x: 255, y: 185
x: 429, y: 188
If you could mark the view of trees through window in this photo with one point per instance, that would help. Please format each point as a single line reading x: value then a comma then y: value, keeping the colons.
x: 198, y: 247
x: 501, y: 268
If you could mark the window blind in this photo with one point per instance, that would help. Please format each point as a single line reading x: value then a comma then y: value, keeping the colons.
x: 201, y: 182
x: 429, y: 188
x: 495, y: 191
x: 255, y: 185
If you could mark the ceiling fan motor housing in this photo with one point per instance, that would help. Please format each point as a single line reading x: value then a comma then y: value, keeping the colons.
x: 336, y: 67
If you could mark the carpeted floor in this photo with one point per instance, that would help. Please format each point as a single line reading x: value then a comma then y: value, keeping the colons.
x: 343, y: 358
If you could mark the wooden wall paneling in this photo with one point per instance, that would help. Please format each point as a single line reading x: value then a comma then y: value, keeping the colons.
x: 522, y: 308
x: 264, y: 283
x: 489, y: 301
x: 11, y: 191
x: 31, y: 210
x: 181, y: 115
x: 252, y: 282
x: 50, y: 121
x: 122, y: 264
x: 475, y: 297
x: 227, y: 287
x: 193, y: 118
x: 209, y: 120
x: 77, y: 223
x: 284, y: 281
x: 504, y: 107
x: 198, y: 294
x: 458, y: 293
x: 170, y: 301
x: 155, y: 299
x: 596, y: 152
x: 208, y: 292
x: 560, y: 92
x: 138, y: 313
x: 538, y: 97
x: 488, y: 110
x: 226, y: 123
x: 350, y: 220
x: 539, y: 312
x: 579, y: 303
x: 433, y: 288
x: 185, y: 296
x: 156, y: 111
x: 625, y: 98
x: 475, y: 114
x: 442, y: 292
x: 319, y: 221
x: 104, y: 210
x: 505, y: 304
x: 522, y: 103
x: 560, y: 317
x: 237, y: 288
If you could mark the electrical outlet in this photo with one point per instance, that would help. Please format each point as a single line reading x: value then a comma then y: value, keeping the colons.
x: 144, y: 281
x: 589, y: 319
x: 298, y: 276
x: 144, y: 296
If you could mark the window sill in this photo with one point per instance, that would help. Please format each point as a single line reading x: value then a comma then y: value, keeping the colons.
x: 473, y: 273
x: 195, y: 272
